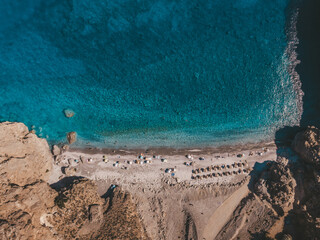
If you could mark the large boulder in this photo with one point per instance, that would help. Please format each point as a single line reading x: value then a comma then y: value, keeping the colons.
x: 69, y: 113
x: 56, y: 150
x: 307, y: 145
x: 276, y: 185
x: 24, y: 158
x: 71, y: 137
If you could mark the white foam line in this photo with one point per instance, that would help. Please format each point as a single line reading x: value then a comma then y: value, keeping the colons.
x: 293, y: 41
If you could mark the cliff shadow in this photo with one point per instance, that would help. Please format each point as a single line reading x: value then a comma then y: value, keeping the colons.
x: 256, y: 172
x: 308, y: 50
x: 308, y: 53
x: 66, y: 182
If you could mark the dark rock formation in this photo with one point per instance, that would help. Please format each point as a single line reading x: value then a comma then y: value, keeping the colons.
x: 276, y: 185
x: 306, y: 214
x: 307, y: 145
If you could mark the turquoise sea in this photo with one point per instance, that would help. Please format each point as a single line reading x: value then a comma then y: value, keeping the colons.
x: 146, y: 73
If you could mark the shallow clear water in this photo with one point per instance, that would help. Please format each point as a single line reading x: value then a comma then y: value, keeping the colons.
x: 148, y: 72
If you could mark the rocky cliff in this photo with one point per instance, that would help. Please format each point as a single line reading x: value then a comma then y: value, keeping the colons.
x: 285, y: 197
x: 25, y: 197
x: 306, y: 215
x: 307, y: 145
x: 262, y: 213
x: 31, y: 209
x: 24, y: 158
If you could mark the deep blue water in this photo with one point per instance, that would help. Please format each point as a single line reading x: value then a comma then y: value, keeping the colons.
x: 148, y: 72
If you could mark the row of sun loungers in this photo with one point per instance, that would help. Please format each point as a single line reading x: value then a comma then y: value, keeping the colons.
x: 220, y: 174
x: 220, y: 167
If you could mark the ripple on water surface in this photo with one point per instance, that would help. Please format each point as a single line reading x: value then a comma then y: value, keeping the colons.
x: 148, y: 73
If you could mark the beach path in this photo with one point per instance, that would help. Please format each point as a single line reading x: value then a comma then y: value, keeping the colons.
x: 224, y: 212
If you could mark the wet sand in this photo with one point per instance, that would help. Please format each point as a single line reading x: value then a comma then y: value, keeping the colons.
x: 175, y: 151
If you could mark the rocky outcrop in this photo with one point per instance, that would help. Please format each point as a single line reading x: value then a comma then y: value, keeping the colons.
x: 276, y: 185
x: 56, y: 150
x: 285, y: 197
x: 73, y: 217
x: 31, y: 209
x: 24, y: 158
x: 69, y: 113
x: 82, y: 214
x: 306, y: 215
x: 307, y: 145
x: 71, y: 137
x: 123, y: 221
x: 24, y: 211
x: 261, y: 214
x: 25, y: 199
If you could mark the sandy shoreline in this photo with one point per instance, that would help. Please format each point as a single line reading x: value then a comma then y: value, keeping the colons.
x: 174, y: 151
x: 127, y: 167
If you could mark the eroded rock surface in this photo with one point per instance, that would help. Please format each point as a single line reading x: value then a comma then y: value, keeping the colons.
x: 284, y: 201
x: 307, y: 145
x: 262, y: 213
x: 306, y: 215
x: 23, y: 211
x: 31, y: 209
x: 24, y: 158
x: 276, y: 185
x: 56, y: 150
x: 73, y: 209
x: 122, y: 220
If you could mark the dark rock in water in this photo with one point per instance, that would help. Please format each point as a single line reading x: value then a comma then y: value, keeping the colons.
x: 72, y: 137
x: 307, y: 145
x: 69, y: 113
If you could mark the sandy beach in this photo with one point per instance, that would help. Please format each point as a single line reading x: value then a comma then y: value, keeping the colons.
x: 189, y: 166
